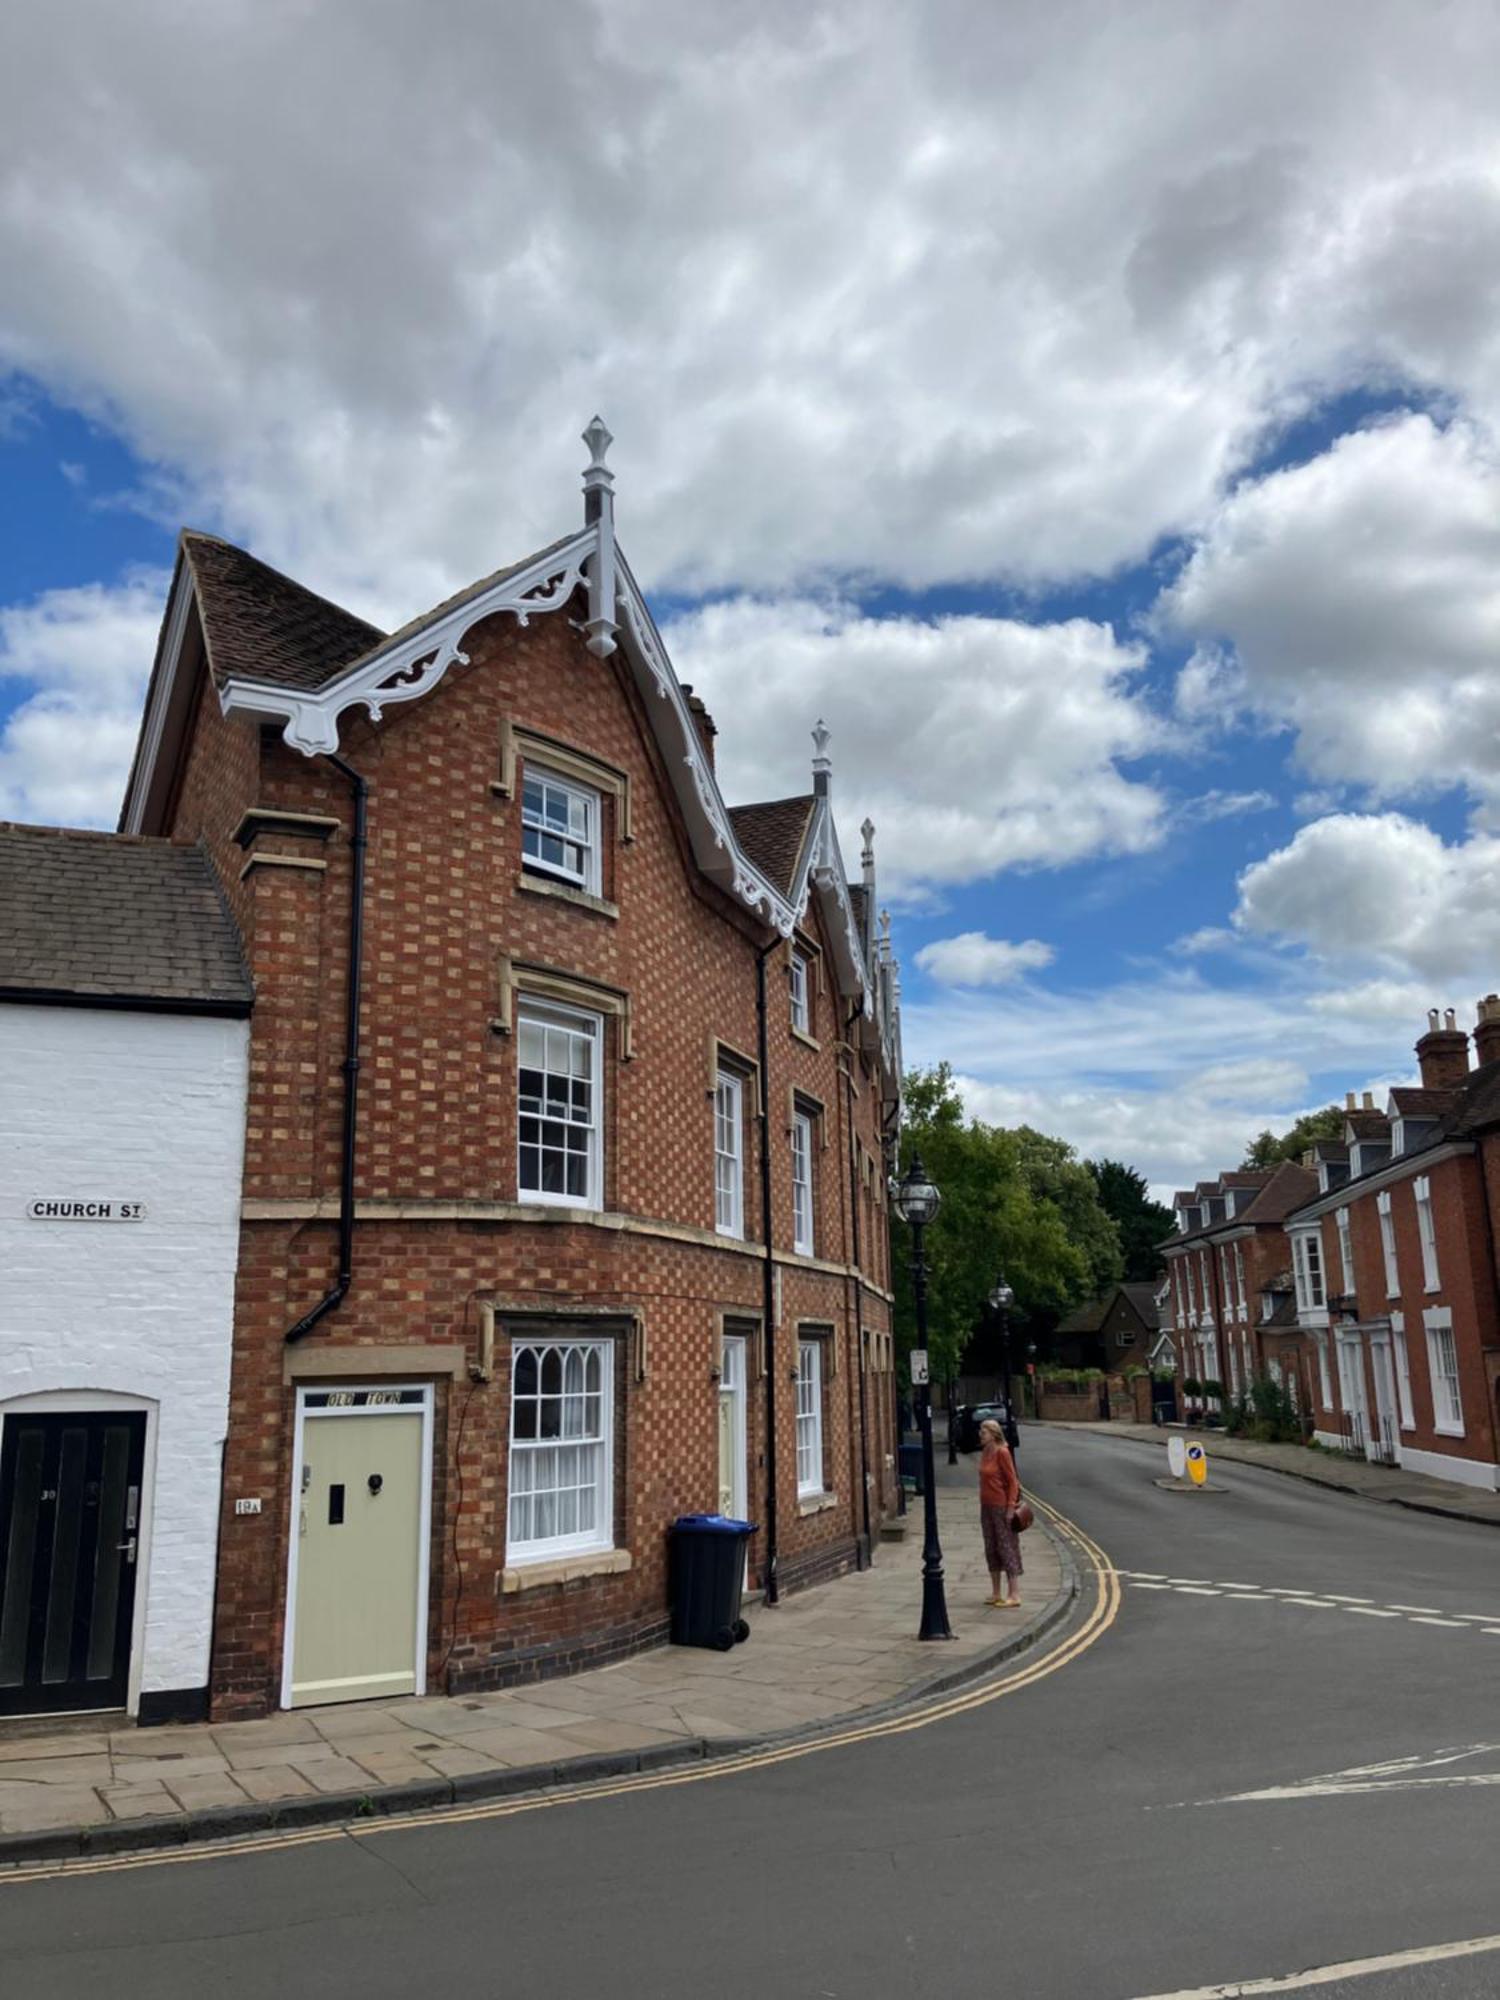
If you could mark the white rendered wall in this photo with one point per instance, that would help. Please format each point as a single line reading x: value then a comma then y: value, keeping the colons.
x: 97, y: 1104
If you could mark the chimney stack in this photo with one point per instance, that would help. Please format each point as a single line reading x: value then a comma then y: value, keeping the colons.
x: 703, y: 722
x: 1349, y: 1104
x: 1443, y: 1052
x: 1487, y: 1030
x: 1367, y: 1102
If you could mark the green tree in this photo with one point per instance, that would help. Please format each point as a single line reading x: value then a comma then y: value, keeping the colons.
x: 1015, y: 1202
x: 1268, y: 1150
x: 1142, y: 1222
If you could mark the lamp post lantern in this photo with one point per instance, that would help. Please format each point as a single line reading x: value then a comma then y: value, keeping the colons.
x: 1002, y: 1298
x: 917, y: 1202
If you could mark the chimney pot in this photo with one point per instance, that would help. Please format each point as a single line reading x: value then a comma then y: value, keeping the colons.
x: 1349, y: 1100
x: 1433, y: 1022
x: 1367, y: 1102
x: 1450, y: 1021
x: 1443, y: 1052
x: 1487, y: 1030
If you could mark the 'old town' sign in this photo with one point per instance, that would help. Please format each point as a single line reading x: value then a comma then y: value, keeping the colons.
x: 86, y: 1211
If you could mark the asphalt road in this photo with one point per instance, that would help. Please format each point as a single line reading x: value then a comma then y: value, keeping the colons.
x: 1083, y: 1836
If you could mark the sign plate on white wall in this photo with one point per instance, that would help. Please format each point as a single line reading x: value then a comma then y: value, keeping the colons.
x: 86, y: 1211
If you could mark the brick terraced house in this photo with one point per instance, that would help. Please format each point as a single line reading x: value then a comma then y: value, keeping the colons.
x: 1371, y: 1287
x: 571, y: 1091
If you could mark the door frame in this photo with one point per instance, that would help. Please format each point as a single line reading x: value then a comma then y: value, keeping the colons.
x: 741, y: 1419
x: 424, y: 1508
x: 109, y: 1402
x: 1383, y: 1369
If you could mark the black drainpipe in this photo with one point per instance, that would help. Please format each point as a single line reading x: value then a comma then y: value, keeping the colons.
x: 859, y: 1296
x: 335, y: 1297
x: 768, y: 1265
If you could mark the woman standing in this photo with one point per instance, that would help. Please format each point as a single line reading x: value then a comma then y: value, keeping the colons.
x: 999, y: 1497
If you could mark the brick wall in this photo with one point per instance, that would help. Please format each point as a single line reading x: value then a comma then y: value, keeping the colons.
x: 440, y: 1231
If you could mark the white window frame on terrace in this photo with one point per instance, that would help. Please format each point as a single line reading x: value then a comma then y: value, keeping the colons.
x: 1224, y: 1284
x: 570, y: 1415
x: 542, y: 792
x: 1402, y: 1360
x: 801, y: 995
x: 1346, y: 1251
x: 1442, y: 1366
x: 1388, y: 1244
x: 803, y: 1235
x: 1325, y: 1378
x: 729, y: 1154
x: 1239, y: 1280
x: 584, y: 1033
x: 1307, y: 1275
x: 1203, y: 1281
x: 1192, y: 1296
x: 809, y: 1418
x: 1426, y: 1234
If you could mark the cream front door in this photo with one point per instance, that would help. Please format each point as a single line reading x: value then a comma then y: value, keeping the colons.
x: 733, y: 1497
x: 358, y: 1527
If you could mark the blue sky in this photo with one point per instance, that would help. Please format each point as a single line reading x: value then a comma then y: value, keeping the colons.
x: 1108, y: 453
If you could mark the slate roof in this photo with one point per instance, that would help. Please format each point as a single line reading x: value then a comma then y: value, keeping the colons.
x: 1367, y: 1124
x: 260, y: 625
x: 102, y: 918
x: 1143, y: 1298
x: 1091, y: 1315
x: 1419, y: 1103
x: 772, y: 835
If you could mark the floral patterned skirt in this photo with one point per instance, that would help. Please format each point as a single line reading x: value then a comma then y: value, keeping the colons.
x: 1002, y: 1545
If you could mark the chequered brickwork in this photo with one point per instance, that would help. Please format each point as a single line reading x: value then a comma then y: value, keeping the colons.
x: 437, y: 1152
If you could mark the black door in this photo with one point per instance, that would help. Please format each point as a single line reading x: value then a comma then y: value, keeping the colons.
x: 70, y: 1502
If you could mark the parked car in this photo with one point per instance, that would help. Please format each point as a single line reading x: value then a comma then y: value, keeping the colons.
x: 969, y: 1416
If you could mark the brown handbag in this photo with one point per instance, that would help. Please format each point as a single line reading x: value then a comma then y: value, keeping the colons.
x: 1022, y: 1518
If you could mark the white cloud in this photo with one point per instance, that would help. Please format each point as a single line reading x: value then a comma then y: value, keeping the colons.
x: 82, y: 657
x: 975, y: 744
x: 1362, y: 887
x: 1171, y: 1074
x: 972, y: 959
x: 1209, y: 937
x: 1361, y: 595
x: 352, y: 277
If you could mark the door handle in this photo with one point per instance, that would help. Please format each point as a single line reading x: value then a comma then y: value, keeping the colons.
x: 127, y: 1549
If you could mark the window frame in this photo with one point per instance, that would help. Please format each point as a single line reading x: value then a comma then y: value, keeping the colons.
x: 1406, y: 1408
x: 1388, y: 1244
x: 729, y: 1081
x: 1325, y: 1374
x: 1307, y: 1271
x: 601, y: 1538
x: 804, y: 1240
x: 588, y: 881
x: 578, y: 1021
x: 1437, y: 1323
x: 799, y: 989
x: 1239, y: 1279
x: 1346, y: 1249
x: 1427, y: 1234
x: 810, y: 1378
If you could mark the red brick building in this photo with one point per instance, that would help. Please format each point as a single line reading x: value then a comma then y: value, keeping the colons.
x: 1371, y: 1287
x: 1395, y: 1268
x: 565, y: 1163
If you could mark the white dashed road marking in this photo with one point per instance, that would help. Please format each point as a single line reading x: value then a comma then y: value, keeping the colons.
x: 1312, y: 1600
x: 1370, y: 1611
x: 1331, y: 1975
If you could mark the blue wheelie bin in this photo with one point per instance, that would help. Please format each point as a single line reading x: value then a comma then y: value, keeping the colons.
x: 708, y: 1576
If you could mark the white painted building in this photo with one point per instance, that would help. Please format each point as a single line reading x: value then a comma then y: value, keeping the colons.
x: 124, y: 1032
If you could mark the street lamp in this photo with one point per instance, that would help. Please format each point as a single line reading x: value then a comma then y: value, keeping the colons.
x: 917, y: 1202
x: 1002, y: 1298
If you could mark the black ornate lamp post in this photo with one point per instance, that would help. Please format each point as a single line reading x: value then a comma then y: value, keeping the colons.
x: 1002, y: 1298
x: 917, y: 1202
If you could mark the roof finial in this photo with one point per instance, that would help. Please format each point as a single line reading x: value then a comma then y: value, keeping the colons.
x: 822, y: 767
x: 599, y: 513
x: 867, y: 835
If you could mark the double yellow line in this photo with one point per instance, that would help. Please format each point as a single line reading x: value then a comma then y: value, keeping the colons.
x: 1102, y: 1614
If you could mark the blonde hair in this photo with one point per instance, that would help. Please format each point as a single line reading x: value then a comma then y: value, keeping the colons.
x: 989, y: 1425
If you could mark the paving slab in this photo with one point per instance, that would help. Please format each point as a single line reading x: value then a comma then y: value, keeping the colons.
x: 835, y: 1651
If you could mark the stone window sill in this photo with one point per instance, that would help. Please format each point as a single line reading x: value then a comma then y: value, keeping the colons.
x: 536, y: 1576
x: 801, y: 1035
x: 598, y: 906
x: 816, y: 1503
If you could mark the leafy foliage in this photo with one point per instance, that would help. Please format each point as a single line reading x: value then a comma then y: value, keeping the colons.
x: 1014, y: 1201
x: 1269, y: 1150
x: 1142, y: 1222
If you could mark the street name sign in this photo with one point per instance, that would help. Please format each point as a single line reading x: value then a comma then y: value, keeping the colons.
x: 43, y: 1210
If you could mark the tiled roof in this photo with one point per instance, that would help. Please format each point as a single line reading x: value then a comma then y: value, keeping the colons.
x: 1419, y: 1103
x: 1143, y: 1298
x: 1247, y: 1177
x: 772, y: 834
x: 1368, y: 1124
x: 260, y: 625
x: 1288, y: 1188
x: 103, y: 917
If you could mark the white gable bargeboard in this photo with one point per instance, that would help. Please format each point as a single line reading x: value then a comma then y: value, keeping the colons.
x: 104, y: 1105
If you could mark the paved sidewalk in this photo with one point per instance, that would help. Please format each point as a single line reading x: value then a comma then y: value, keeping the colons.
x: 842, y: 1649
x: 1323, y: 1468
